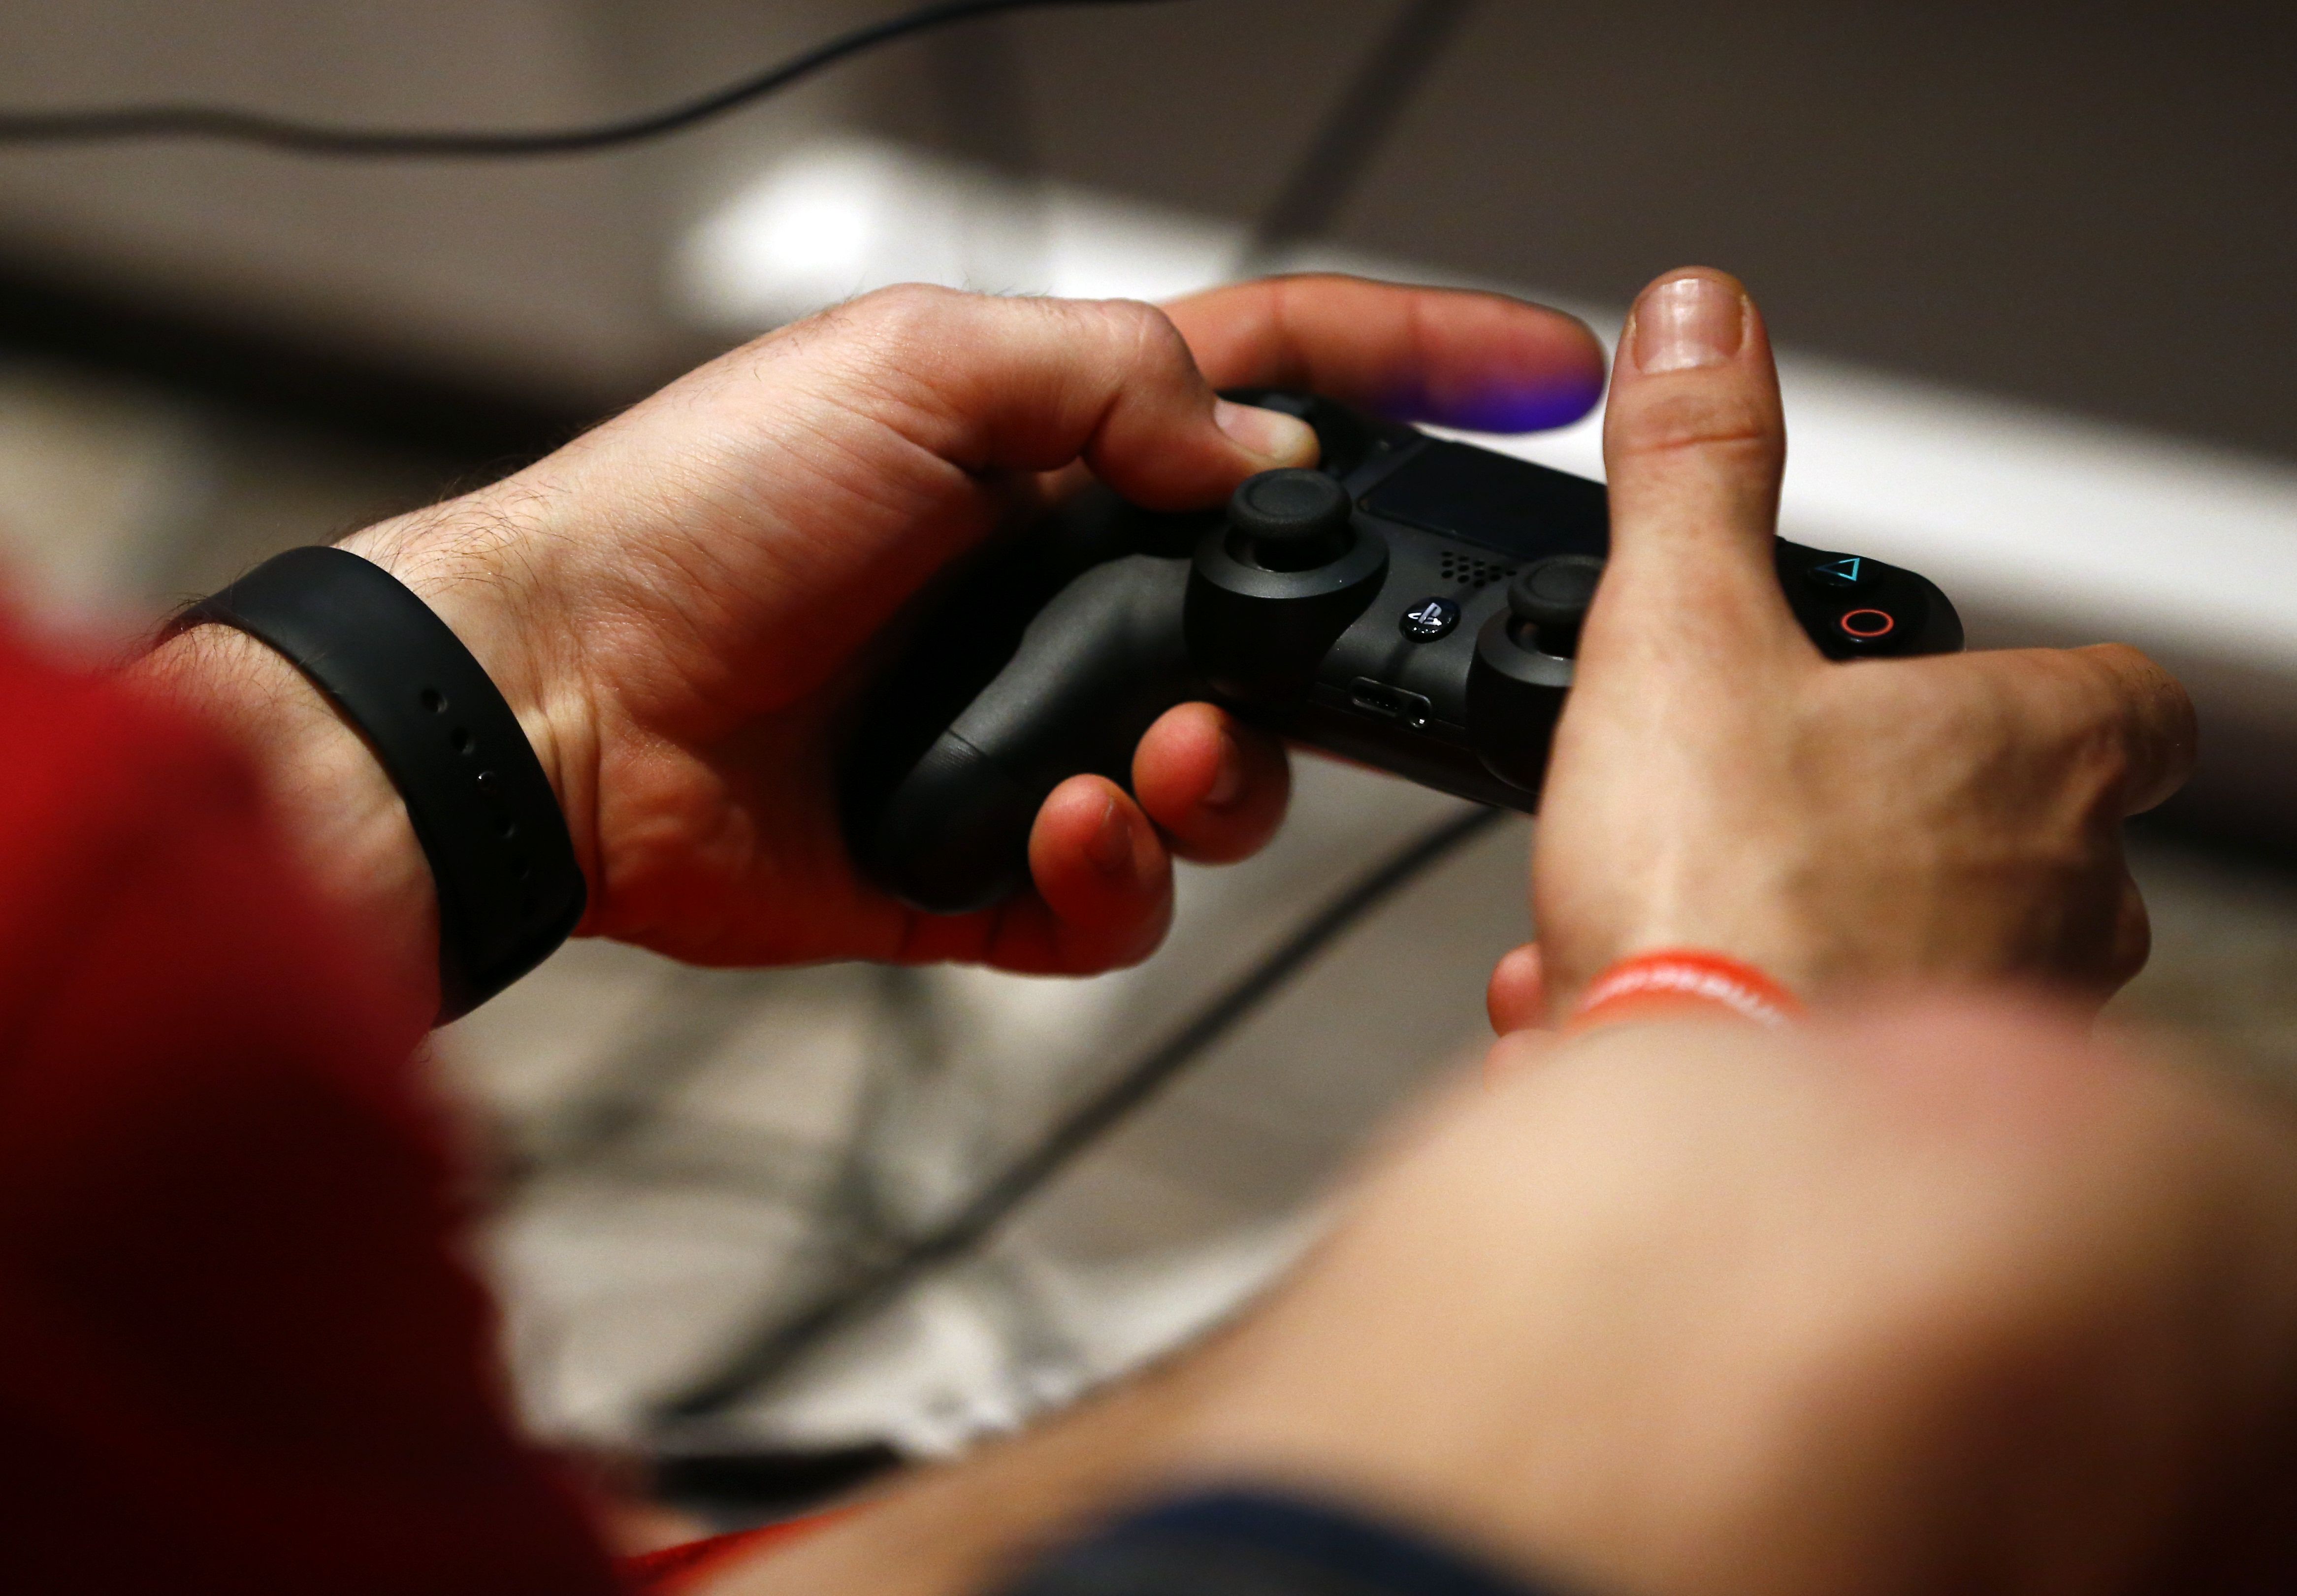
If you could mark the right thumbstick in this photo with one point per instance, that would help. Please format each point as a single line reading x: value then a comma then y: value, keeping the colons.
x: 1549, y: 599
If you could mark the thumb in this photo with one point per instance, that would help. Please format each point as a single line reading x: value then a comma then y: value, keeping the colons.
x: 1695, y: 443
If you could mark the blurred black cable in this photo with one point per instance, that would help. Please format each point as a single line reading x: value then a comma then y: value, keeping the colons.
x: 1354, y: 132
x: 739, y: 1489
x: 131, y: 122
x: 690, y: 1016
x: 772, y: 1349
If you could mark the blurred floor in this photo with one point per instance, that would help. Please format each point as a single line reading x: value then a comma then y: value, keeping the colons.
x: 2067, y: 203
x: 691, y: 1154
x: 677, y: 1156
x: 2224, y: 969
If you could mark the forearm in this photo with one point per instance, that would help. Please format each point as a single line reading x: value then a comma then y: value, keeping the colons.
x: 1699, y: 1310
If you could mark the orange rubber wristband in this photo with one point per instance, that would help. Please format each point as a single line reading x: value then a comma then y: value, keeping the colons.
x: 1679, y: 979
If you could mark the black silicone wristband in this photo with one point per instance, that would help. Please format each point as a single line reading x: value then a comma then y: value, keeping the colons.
x: 510, y: 890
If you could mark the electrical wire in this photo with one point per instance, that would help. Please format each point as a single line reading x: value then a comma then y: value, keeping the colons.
x: 769, y: 1351
x: 1353, y: 131
x: 140, y: 122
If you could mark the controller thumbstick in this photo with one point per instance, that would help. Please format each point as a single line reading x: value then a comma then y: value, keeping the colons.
x: 1291, y: 520
x: 1549, y: 599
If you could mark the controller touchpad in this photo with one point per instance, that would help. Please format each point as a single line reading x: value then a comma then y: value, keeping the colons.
x: 1507, y: 504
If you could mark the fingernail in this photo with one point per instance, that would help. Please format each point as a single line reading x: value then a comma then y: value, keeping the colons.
x: 1110, y: 849
x: 1688, y: 322
x: 1271, y: 434
x: 1227, y: 776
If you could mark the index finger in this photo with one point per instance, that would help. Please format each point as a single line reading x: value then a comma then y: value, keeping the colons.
x: 1482, y: 361
x: 2153, y: 719
x: 2103, y: 727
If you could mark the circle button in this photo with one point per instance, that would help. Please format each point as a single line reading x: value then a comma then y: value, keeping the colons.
x: 1430, y: 619
x: 1867, y: 626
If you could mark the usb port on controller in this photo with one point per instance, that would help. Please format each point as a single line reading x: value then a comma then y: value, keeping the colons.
x: 1389, y: 703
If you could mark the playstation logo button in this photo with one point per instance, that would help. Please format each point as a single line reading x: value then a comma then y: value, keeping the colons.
x: 1430, y: 619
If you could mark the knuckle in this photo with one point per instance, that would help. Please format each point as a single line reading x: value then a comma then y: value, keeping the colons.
x: 2138, y: 707
x: 2135, y: 677
x: 1143, y: 330
x: 910, y: 299
x: 1699, y: 417
x: 902, y: 310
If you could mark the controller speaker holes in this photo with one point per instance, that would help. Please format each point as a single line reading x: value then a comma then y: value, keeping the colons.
x: 1471, y: 573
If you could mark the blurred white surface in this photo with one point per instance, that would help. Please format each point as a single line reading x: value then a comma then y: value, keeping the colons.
x: 842, y: 215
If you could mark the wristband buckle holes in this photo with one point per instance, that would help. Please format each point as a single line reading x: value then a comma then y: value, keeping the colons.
x: 494, y: 837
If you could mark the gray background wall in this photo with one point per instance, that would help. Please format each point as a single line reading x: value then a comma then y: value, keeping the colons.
x: 2084, y: 204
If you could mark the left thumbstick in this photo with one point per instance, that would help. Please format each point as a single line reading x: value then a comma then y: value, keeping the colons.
x: 1292, y: 520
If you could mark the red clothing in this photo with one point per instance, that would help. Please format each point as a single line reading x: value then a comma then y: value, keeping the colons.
x: 237, y: 1349
x: 676, y: 1569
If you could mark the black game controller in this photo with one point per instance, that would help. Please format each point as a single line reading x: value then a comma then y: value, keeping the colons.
x: 1414, y: 604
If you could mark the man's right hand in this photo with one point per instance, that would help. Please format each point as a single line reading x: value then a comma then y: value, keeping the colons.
x: 1717, y: 785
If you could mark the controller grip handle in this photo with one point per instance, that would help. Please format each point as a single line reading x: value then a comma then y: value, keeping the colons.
x: 1092, y: 673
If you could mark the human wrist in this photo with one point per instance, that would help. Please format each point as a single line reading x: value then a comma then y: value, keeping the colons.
x: 1680, y: 983
x: 487, y: 569
x: 341, y: 794
x: 1802, y: 958
x: 345, y: 823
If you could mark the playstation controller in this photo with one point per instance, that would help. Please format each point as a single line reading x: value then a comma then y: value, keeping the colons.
x: 1413, y: 603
